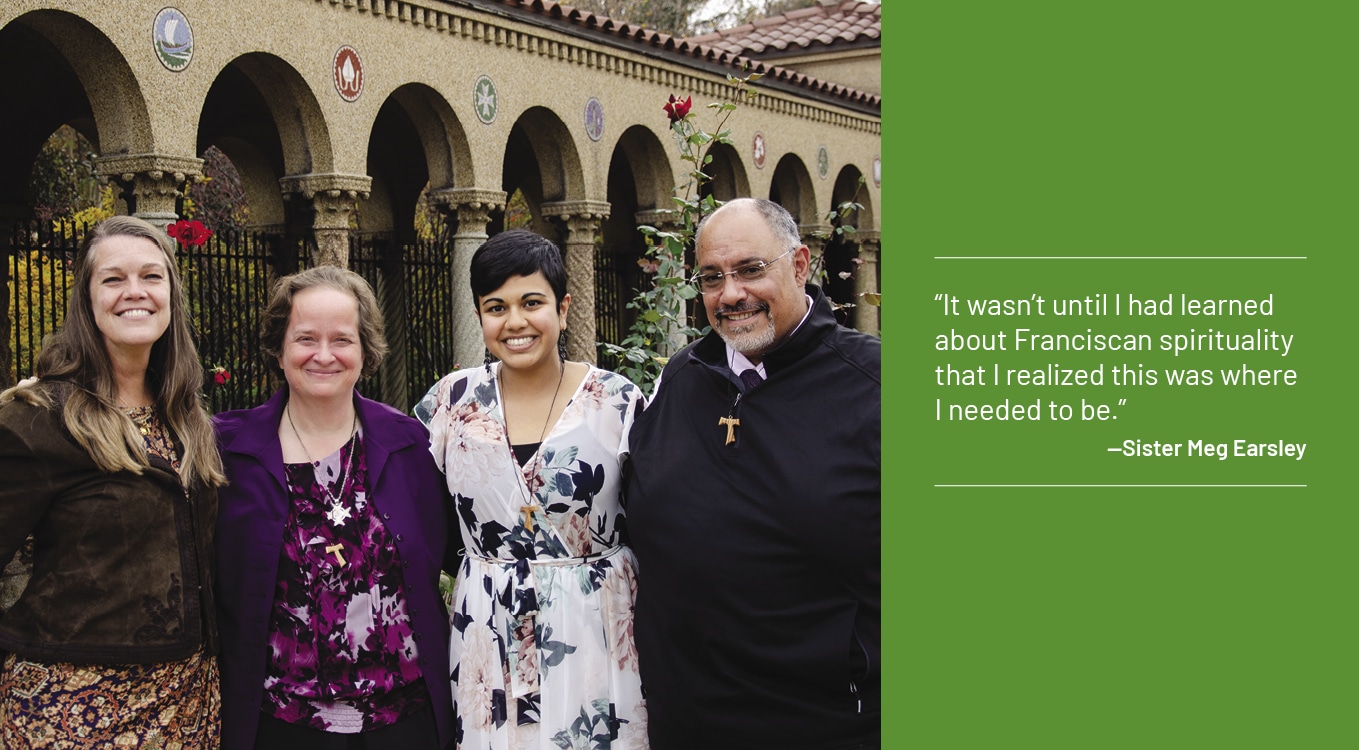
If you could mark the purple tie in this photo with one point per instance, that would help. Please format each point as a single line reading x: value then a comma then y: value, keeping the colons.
x: 751, y: 378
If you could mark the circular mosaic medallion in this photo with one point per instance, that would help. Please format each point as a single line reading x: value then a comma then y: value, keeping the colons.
x: 822, y: 162
x: 594, y: 119
x: 757, y: 150
x: 877, y: 171
x: 348, y: 72
x: 485, y: 100
x: 172, y: 38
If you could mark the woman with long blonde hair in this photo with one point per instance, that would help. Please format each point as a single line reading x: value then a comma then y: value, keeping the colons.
x: 110, y: 464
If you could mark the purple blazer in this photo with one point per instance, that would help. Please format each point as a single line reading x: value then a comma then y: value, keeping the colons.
x: 405, y: 487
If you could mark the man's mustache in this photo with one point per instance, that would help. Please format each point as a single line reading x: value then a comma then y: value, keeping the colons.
x: 723, y: 312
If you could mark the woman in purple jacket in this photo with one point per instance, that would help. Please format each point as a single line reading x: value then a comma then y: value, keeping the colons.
x: 330, y: 537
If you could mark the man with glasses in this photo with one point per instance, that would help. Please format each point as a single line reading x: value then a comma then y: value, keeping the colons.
x: 753, y: 507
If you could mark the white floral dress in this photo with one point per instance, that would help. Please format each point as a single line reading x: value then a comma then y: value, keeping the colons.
x: 542, y: 648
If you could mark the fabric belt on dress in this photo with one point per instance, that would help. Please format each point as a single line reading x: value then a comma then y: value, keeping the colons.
x: 518, y: 629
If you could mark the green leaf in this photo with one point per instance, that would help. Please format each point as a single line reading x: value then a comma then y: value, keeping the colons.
x: 872, y: 298
x: 651, y: 316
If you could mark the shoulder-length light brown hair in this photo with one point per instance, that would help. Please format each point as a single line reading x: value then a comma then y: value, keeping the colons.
x: 76, y: 355
x: 280, y: 308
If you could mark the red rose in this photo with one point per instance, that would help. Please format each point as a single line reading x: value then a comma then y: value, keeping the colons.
x: 220, y: 375
x: 189, y: 232
x: 677, y: 109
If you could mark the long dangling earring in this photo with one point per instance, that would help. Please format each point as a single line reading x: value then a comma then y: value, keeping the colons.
x: 561, y: 345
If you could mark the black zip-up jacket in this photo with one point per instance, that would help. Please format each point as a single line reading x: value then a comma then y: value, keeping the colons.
x: 758, y: 618
x: 121, y: 563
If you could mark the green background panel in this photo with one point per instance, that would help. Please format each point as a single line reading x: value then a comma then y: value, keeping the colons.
x: 1121, y: 617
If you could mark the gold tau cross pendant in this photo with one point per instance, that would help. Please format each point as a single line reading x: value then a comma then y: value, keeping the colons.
x: 336, y: 548
x: 527, y: 510
x: 731, y: 423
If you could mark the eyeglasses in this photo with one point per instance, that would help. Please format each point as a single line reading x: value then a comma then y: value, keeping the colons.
x: 709, y: 283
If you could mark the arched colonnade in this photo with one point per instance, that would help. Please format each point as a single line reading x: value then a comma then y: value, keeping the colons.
x: 338, y: 114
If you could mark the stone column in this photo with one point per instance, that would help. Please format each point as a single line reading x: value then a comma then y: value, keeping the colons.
x: 470, y: 209
x: 150, y: 184
x: 333, y: 198
x: 815, y: 236
x: 581, y: 220
x: 866, y: 281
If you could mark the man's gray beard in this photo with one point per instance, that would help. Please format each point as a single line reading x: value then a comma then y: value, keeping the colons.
x: 755, y: 341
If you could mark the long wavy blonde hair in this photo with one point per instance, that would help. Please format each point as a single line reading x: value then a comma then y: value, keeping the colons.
x: 74, y: 360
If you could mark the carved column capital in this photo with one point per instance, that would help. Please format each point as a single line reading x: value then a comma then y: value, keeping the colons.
x: 335, y: 184
x: 150, y: 184
x: 581, y: 218
x: 664, y: 219
x: 449, y: 199
x: 333, y: 198
x: 154, y: 166
x: 811, y: 234
x: 470, y: 208
x: 584, y: 209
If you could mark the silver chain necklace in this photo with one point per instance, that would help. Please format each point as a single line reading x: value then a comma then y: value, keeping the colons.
x: 349, y: 462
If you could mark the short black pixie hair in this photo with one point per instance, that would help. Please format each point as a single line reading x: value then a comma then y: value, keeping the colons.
x: 517, y: 252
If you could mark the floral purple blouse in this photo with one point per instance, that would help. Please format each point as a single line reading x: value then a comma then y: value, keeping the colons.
x: 342, y: 656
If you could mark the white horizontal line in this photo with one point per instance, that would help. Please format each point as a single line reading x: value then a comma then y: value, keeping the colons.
x: 1120, y: 257
x: 1104, y: 485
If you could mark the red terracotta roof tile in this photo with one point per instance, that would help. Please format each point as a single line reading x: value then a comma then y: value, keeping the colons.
x: 823, y: 25
x: 854, y: 21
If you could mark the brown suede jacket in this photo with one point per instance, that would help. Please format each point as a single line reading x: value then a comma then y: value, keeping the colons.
x: 121, y: 563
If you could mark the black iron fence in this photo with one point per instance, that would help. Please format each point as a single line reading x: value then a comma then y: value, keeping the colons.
x: 227, y: 282
x: 413, y: 281
x: 38, y: 272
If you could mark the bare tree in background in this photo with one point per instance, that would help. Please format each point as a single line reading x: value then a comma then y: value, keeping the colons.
x: 741, y: 12
x: 673, y: 17
x: 690, y: 17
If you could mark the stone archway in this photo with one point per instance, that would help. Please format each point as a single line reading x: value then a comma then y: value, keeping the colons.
x: 852, y: 258
x: 728, y: 174
x: 791, y: 187
x: 640, y: 186
x: 542, y: 161
x: 237, y: 119
x: 72, y: 75
x: 405, y: 246
x: 264, y: 116
x: 64, y: 72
